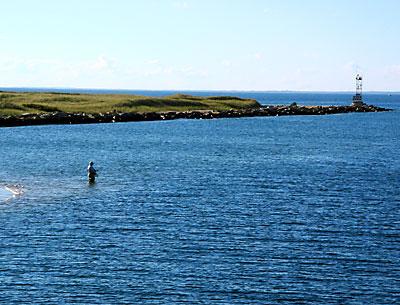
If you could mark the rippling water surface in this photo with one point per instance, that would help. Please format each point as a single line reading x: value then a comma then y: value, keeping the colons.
x: 274, y: 210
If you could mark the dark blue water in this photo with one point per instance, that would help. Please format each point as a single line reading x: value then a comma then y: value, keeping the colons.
x: 274, y: 210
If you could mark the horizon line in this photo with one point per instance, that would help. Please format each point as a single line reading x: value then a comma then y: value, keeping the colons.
x: 194, y: 90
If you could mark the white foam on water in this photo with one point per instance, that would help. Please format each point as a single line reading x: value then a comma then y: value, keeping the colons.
x: 4, y: 194
x: 15, y: 189
x: 9, y: 191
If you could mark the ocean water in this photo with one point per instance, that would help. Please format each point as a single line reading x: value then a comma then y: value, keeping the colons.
x: 272, y: 210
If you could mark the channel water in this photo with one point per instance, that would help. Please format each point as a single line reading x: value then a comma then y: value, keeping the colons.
x: 271, y: 210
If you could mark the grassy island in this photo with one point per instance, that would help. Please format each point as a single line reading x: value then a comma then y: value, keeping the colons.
x: 36, y: 108
x: 17, y: 103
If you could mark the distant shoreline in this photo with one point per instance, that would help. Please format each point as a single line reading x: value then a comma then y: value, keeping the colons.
x: 173, y: 91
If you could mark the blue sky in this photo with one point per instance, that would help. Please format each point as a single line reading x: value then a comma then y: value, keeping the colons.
x: 201, y: 44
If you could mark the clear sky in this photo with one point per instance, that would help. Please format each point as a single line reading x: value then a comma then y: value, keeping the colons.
x: 201, y: 44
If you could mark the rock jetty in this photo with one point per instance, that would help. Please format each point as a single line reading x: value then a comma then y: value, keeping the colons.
x: 112, y: 117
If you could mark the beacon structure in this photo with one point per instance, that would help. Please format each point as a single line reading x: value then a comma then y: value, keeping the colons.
x: 357, y: 98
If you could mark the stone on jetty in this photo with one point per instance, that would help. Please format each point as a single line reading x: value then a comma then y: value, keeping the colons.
x: 112, y: 117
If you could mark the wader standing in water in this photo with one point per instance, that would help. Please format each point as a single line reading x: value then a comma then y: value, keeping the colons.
x: 91, y: 172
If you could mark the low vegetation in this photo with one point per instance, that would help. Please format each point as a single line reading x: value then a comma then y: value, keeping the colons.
x: 15, y: 103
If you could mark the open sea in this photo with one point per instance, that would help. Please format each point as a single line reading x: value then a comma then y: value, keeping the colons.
x: 266, y: 210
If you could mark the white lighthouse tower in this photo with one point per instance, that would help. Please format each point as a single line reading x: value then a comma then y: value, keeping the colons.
x: 357, y: 98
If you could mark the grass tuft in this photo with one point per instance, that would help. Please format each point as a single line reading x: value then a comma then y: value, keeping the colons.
x: 40, y: 107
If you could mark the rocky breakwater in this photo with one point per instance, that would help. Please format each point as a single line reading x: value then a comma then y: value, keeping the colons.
x: 112, y: 117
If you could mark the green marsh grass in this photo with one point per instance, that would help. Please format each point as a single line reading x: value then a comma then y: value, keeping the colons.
x: 15, y: 103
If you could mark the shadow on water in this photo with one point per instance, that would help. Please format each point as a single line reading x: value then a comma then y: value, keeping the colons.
x: 91, y: 184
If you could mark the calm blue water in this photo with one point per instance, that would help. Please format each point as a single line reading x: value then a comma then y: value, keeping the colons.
x: 274, y: 210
